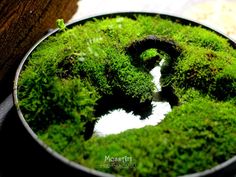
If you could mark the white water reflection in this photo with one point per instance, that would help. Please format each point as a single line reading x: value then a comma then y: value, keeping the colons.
x: 119, y: 120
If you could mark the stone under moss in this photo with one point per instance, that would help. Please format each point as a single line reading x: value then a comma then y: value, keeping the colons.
x: 74, y: 77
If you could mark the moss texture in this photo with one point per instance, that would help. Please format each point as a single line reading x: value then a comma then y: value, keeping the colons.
x: 74, y: 77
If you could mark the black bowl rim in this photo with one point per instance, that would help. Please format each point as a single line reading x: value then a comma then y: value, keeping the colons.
x: 220, y: 169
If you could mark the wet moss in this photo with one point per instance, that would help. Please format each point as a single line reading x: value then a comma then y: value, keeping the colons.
x: 79, y: 74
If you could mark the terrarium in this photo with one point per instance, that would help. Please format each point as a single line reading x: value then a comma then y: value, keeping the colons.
x: 82, y: 72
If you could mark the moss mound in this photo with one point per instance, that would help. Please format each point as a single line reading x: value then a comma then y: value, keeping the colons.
x: 74, y: 77
x: 192, y: 138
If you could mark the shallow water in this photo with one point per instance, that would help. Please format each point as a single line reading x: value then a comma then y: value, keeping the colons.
x: 119, y: 120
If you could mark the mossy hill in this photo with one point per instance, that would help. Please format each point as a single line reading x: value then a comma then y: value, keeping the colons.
x: 79, y: 74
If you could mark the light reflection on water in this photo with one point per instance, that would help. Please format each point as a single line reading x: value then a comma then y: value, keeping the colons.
x: 119, y: 120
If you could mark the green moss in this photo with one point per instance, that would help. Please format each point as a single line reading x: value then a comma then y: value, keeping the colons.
x: 73, y: 77
x: 197, y: 134
x: 149, y: 54
x: 208, y: 71
x: 46, y: 104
